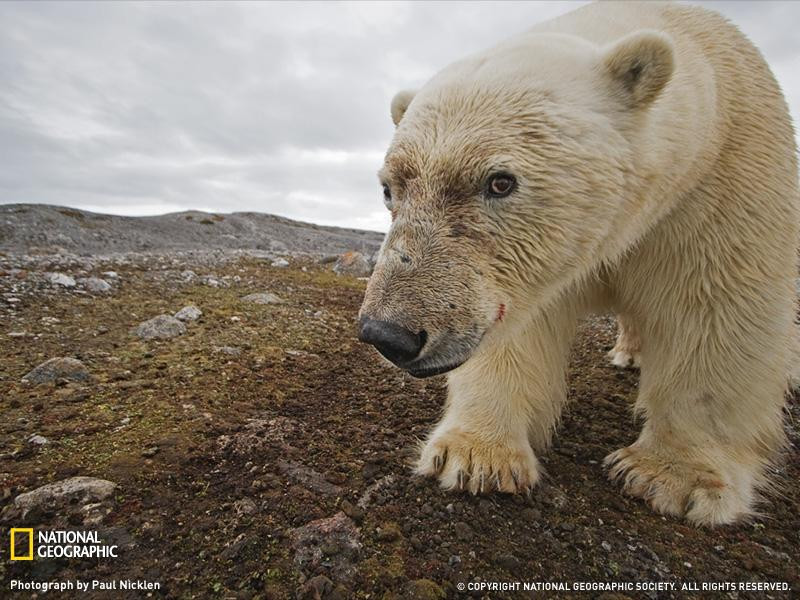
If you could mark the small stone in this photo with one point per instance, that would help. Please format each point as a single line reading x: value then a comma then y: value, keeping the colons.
x: 280, y: 263
x: 189, y: 313
x: 352, y: 263
x: 371, y: 470
x: 454, y: 560
x: 110, y: 274
x: 263, y: 298
x: 463, y: 531
x: 150, y: 452
x: 38, y: 440
x: 57, y: 368
x: 60, y: 279
x: 509, y: 562
x: 229, y: 350
x: 95, y: 285
x: 351, y: 510
x: 606, y: 546
x: 161, y: 327
x: 424, y: 589
x: 245, y: 506
x: 315, y: 588
x: 329, y: 548
x: 389, y: 532
x: 531, y: 514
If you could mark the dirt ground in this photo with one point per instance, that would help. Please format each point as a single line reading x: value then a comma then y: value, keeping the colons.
x: 228, y: 441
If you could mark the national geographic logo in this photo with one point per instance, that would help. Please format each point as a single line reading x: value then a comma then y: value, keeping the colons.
x: 58, y: 544
x: 21, y: 531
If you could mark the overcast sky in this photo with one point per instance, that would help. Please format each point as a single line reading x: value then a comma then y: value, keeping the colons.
x: 137, y: 108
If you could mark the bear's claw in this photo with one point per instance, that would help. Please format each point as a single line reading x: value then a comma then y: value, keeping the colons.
x: 679, y: 487
x: 465, y: 462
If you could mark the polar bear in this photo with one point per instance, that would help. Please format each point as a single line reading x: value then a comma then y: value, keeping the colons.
x: 627, y: 157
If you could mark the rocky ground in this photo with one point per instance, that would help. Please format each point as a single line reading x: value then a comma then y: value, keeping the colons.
x: 213, y: 414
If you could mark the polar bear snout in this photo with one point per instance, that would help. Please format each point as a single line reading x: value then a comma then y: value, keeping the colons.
x: 396, y: 343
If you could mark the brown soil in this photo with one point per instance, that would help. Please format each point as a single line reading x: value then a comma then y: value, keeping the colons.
x: 304, y: 419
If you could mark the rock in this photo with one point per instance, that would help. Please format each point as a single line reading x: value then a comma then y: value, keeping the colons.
x: 234, y: 548
x: 307, y: 542
x: 161, y: 327
x: 189, y: 313
x: 60, y: 279
x: 229, y: 350
x: 353, y: 263
x: 308, y: 478
x: 278, y: 246
x: 463, y: 531
x: 374, y: 491
x: 38, y: 440
x: 188, y: 276
x: 280, y: 263
x: 509, y: 562
x: 110, y: 274
x: 257, y: 434
x: 371, y: 470
x: 245, y: 506
x: 424, y: 589
x: 531, y: 514
x: 389, y: 532
x: 315, y: 588
x: 95, y: 285
x: 76, y: 490
x: 94, y: 514
x: 150, y: 452
x: 58, y: 368
x: 262, y: 298
x: 354, y: 512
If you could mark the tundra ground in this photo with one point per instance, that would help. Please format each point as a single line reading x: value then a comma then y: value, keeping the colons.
x: 235, y: 446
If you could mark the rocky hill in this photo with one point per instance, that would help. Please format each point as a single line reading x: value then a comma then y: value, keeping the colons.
x: 43, y: 229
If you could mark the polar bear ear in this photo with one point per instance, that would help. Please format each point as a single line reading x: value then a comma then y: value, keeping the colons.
x: 400, y: 104
x: 641, y: 64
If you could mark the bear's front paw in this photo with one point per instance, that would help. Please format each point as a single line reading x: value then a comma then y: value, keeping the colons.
x: 624, y: 357
x: 466, y: 462
x: 680, y: 487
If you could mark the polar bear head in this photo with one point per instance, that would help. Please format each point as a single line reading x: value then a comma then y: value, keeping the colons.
x: 505, y: 181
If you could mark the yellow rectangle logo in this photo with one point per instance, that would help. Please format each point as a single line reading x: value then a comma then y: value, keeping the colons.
x: 29, y: 531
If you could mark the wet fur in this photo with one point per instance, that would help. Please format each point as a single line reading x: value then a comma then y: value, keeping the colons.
x: 657, y: 178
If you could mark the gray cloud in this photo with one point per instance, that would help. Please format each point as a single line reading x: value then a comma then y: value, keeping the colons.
x: 140, y: 108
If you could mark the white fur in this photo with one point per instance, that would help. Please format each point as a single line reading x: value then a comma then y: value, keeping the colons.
x: 679, y: 211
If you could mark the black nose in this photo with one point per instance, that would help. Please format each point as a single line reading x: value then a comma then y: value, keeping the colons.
x: 395, y: 342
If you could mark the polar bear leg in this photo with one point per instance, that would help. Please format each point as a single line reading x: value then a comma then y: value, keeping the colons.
x: 626, y: 352
x: 712, y: 427
x: 504, y: 402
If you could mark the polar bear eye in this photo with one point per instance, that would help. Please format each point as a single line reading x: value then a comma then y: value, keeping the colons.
x: 387, y: 196
x: 500, y: 185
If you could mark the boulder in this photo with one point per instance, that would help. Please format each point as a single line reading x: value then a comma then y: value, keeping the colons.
x: 161, y: 327
x: 189, y: 313
x: 263, y: 298
x: 61, y: 367
x: 95, y: 285
x: 353, y: 263
x: 60, y: 279
x: 75, y: 490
